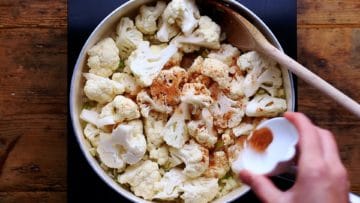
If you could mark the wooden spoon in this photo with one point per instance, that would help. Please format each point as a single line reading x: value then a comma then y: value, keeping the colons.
x: 242, y: 34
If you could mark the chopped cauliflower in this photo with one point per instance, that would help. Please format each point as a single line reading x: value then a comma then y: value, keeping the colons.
x: 175, y: 60
x: 128, y: 37
x: 169, y: 186
x: 129, y: 82
x: 265, y: 105
x: 160, y: 155
x: 216, y: 70
x: 166, y: 87
x: 142, y: 178
x: 175, y: 132
x: 146, y: 65
x: 196, y: 94
x: 108, y: 153
x: 200, y: 190
x: 243, y: 129
x: 92, y: 133
x: 148, y: 15
x: 227, y: 113
x: 218, y: 165
x: 227, y: 138
x: 101, y: 89
x: 93, y: 117
x: 184, y: 13
x: 166, y: 31
x: 227, y: 54
x: 195, y: 157
x: 121, y: 109
x: 104, y: 58
x: 202, y: 130
x: 262, y: 72
x: 207, y: 35
x: 147, y: 104
x: 154, y: 127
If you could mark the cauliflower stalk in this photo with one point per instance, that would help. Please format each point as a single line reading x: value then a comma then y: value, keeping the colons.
x: 146, y: 20
x: 146, y: 65
x: 147, y: 104
x: 175, y: 132
x: 142, y: 178
x: 128, y: 37
x: 200, y: 190
x: 265, y: 105
x: 93, y: 117
x: 195, y: 157
x: 103, y: 58
x: 121, y: 109
x: 100, y: 89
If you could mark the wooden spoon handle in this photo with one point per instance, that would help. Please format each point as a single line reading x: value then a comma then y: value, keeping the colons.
x: 311, y: 78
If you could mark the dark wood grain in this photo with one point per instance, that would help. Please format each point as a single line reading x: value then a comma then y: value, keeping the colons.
x: 329, y: 45
x: 33, y: 65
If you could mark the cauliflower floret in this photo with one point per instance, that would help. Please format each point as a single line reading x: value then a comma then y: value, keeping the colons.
x: 262, y: 72
x: 218, y: 165
x: 184, y: 47
x: 148, y: 15
x: 227, y: 138
x: 227, y: 113
x: 227, y: 54
x: 175, y: 132
x: 169, y: 186
x: 207, y: 35
x: 142, y: 178
x: 243, y: 129
x: 166, y: 87
x: 196, y: 94
x: 184, y: 13
x: 160, y: 155
x: 195, y: 157
x: 121, y: 109
x: 93, y: 117
x: 200, y: 190
x: 202, y: 130
x: 147, y: 104
x: 236, y: 87
x: 128, y: 37
x: 101, y: 89
x: 146, y: 65
x: 216, y: 70
x: 154, y: 127
x: 125, y: 145
x: 227, y: 185
x: 104, y: 58
x: 265, y: 105
x: 131, y: 87
x: 92, y: 133
x: 175, y: 60
x: 166, y: 31
x: 109, y: 155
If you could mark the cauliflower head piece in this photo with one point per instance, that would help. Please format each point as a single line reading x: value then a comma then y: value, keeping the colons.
x: 142, y: 178
x: 129, y: 82
x: 160, y: 155
x: 169, y: 186
x: 219, y: 165
x: 100, y: 89
x: 166, y: 31
x: 202, y: 130
x: 227, y: 53
x: 200, y: 190
x: 243, y: 129
x: 93, y: 117
x: 121, y: 109
x: 184, y: 13
x: 128, y: 37
x: 195, y: 157
x: 196, y: 94
x: 103, y: 58
x: 175, y: 132
x: 207, y: 35
x: 148, y: 15
x: 147, y: 104
x: 146, y: 65
x: 166, y: 87
x: 227, y: 113
x: 265, y: 105
x: 218, y: 71
x: 154, y: 127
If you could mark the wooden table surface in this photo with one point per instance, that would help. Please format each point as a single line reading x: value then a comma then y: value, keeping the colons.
x: 33, y: 90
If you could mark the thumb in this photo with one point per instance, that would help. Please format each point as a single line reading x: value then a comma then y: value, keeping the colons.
x: 262, y: 186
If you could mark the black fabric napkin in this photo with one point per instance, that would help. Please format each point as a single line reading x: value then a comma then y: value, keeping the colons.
x: 83, y: 16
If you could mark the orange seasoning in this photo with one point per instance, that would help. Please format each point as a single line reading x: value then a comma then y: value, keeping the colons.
x: 261, y: 139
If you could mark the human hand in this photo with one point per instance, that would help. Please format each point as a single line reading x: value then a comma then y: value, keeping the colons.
x: 321, y: 177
